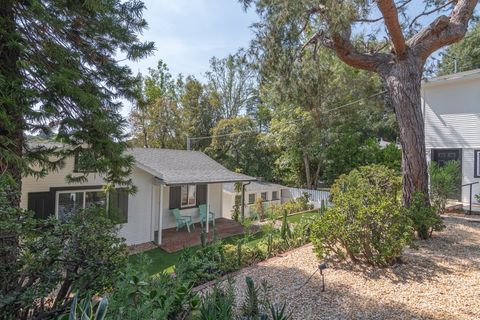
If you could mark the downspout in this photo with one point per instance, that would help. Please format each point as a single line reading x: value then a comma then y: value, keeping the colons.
x: 243, y: 199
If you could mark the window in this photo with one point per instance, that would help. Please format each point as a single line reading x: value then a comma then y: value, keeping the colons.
x: 188, y: 195
x: 476, y: 173
x: 264, y: 196
x: 68, y: 203
x: 251, y: 198
x: 274, y: 195
x: 83, y: 162
x: 71, y: 201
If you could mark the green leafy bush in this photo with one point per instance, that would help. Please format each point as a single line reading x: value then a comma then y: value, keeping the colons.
x: 139, y: 296
x: 424, y: 218
x: 444, y: 183
x: 51, y: 259
x: 366, y: 221
x: 208, y: 263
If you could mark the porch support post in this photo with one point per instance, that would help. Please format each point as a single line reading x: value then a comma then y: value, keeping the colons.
x: 160, y: 218
x: 208, y: 204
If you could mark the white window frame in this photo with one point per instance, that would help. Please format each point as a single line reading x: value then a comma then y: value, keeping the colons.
x: 84, y: 191
x: 188, y: 205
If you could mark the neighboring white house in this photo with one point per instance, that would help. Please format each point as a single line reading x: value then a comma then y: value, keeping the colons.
x: 271, y: 193
x: 165, y: 179
x: 451, y: 106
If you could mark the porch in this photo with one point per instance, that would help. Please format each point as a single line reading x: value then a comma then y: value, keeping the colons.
x: 173, y: 240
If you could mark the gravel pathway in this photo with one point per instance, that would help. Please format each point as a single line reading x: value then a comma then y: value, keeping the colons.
x: 439, y: 280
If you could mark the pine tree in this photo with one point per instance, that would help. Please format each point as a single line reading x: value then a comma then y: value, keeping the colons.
x: 61, y: 76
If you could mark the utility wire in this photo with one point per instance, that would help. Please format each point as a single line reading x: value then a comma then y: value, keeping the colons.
x: 327, y: 111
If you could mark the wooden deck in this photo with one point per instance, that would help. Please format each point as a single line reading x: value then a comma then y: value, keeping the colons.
x: 173, y: 240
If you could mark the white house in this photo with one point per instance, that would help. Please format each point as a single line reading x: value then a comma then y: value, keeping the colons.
x: 451, y: 107
x: 270, y: 193
x: 165, y: 179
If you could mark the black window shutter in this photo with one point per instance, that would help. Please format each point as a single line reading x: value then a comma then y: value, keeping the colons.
x: 175, y: 197
x: 201, y: 194
x: 42, y: 204
x: 118, y: 205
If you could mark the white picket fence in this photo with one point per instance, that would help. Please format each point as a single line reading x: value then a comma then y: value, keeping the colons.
x: 317, y: 197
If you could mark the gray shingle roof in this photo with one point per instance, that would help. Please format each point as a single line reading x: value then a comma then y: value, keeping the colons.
x: 255, y: 186
x: 182, y: 166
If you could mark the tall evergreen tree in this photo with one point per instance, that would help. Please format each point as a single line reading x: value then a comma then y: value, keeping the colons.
x: 59, y: 74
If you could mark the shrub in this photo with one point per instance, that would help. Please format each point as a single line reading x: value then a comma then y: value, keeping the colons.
x: 444, y: 182
x: 138, y: 296
x: 198, y: 266
x: 424, y: 218
x: 218, y: 303
x: 51, y: 259
x: 366, y: 221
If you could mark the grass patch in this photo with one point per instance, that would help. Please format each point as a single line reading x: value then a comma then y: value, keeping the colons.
x: 295, y: 218
x: 164, y: 261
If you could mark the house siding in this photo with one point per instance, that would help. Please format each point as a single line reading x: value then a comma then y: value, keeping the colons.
x: 452, y: 114
x: 136, y: 230
x: 215, y: 198
x: 229, y: 200
x: 452, y: 120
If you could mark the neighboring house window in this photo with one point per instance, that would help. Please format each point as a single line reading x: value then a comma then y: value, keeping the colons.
x: 274, y: 195
x: 83, y: 162
x: 477, y: 164
x: 264, y: 196
x: 188, y: 195
x: 251, y: 198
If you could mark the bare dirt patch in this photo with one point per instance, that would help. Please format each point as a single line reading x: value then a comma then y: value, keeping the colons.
x: 439, y: 280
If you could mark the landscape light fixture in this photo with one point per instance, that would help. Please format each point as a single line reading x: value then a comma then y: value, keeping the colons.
x: 322, y: 266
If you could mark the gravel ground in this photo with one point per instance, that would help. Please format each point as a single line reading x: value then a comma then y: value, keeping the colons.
x: 439, y: 280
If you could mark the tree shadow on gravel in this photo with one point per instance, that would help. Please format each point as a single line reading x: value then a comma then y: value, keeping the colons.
x: 457, y: 246
x: 305, y: 299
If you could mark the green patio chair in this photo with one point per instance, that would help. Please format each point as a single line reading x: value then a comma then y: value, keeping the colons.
x: 182, y: 220
x: 202, y: 211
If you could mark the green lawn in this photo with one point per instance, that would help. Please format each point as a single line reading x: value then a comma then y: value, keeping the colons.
x: 162, y: 260
x: 297, y: 217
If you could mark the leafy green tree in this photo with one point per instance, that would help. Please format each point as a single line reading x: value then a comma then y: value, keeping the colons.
x: 234, y: 80
x: 59, y: 73
x: 156, y: 118
x: 201, y: 111
x: 287, y: 29
x: 238, y: 146
x: 463, y: 55
x: 321, y: 91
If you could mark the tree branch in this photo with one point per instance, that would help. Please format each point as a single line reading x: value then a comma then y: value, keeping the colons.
x: 345, y: 50
x: 426, y: 13
x: 443, y: 30
x: 390, y: 14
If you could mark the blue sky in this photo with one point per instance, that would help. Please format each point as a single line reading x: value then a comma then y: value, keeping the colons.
x: 187, y: 33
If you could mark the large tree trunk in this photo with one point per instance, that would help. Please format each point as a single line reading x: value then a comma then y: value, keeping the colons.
x: 11, y: 127
x: 403, y: 81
